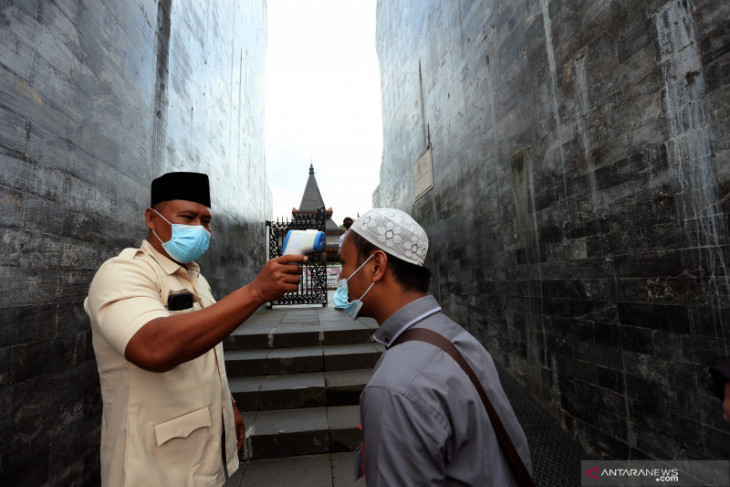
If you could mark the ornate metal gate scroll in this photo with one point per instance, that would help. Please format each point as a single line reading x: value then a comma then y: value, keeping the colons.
x: 313, y: 286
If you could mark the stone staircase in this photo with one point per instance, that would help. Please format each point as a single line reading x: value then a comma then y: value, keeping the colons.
x: 296, y: 374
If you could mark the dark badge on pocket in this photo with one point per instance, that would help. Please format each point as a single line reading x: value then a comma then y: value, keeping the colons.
x: 180, y: 300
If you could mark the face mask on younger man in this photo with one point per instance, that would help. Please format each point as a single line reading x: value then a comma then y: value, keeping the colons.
x: 342, y: 295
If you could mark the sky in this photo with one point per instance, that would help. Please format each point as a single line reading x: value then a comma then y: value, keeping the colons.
x: 323, y: 104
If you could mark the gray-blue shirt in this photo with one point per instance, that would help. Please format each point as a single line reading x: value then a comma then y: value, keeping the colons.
x: 423, y: 421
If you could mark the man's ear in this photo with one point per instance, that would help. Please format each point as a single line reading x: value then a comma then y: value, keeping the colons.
x: 148, y: 215
x: 381, y: 263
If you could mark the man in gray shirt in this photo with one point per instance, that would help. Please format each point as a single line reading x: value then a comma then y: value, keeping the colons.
x: 423, y: 421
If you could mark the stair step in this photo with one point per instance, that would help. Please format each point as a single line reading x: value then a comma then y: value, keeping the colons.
x: 347, y: 357
x: 248, y: 363
x: 303, y: 431
x: 278, y: 391
x: 287, y: 334
x: 344, y: 386
x: 334, y: 388
x: 335, y: 469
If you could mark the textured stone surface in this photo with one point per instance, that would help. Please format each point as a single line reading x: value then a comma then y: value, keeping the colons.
x: 579, y: 215
x: 288, y: 432
x: 98, y: 98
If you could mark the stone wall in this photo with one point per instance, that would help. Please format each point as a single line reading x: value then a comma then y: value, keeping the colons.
x: 97, y: 98
x: 578, y: 219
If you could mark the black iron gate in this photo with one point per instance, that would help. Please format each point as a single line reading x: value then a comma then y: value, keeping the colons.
x: 313, y: 286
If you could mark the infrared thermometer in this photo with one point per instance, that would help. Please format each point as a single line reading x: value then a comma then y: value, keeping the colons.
x: 302, y: 242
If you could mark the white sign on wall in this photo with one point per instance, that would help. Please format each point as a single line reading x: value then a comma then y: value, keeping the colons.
x: 423, y: 174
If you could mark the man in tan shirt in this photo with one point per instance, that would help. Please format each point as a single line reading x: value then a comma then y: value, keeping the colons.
x: 168, y: 415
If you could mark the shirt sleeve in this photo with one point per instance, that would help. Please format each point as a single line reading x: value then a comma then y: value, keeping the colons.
x: 123, y: 297
x: 403, y: 441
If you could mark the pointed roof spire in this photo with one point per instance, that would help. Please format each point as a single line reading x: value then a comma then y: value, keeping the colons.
x: 312, y: 198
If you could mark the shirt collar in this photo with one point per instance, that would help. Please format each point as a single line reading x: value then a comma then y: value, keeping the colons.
x: 169, y: 265
x: 404, y: 318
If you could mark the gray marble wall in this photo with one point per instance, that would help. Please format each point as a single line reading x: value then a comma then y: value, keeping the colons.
x: 97, y: 98
x: 579, y: 214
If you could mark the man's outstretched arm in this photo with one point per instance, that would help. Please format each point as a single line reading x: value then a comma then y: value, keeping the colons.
x: 166, y: 342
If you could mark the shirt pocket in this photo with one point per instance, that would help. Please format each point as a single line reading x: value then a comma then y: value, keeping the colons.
x: 182, y: 426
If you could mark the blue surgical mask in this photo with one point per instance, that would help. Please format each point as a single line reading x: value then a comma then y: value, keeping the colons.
x: 187, y: 243
x: 342, y: 295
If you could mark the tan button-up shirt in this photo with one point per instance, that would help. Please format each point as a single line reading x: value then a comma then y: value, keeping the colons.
x: 158, y: 429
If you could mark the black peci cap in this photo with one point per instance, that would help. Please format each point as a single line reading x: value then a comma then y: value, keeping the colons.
x: 189, y: 186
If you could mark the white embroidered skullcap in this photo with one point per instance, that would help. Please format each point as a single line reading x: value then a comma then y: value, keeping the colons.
x: 395, y: 232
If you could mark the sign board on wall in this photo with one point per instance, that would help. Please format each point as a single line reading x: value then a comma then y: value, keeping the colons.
x: 423, y: 174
